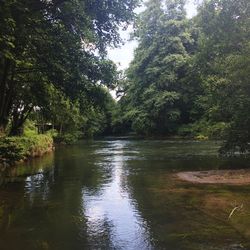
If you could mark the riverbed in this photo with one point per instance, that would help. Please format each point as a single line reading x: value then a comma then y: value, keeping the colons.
x: 120, y: 193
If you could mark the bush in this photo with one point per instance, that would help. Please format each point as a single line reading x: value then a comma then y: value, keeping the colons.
x: 52, y: 132
x: 68, y: 138
x: 13, y: 149
x: 10, y: 150
x: 29, y: 129
x: 201, y: 137
x: 204, y: 129
x: 217, y: 130
x: 186, y: 130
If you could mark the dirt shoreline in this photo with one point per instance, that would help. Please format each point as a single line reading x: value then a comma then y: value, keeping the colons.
x: 231, y: 177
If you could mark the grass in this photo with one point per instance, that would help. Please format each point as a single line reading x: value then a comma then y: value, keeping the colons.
x: 31, y: 144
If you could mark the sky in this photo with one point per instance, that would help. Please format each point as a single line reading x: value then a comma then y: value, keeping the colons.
x: 123, y: 55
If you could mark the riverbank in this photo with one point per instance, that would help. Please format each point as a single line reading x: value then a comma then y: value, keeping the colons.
x: 230, y: 177
x: 14, y: 150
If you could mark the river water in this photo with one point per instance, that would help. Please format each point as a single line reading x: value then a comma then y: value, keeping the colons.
x: 123, y: 194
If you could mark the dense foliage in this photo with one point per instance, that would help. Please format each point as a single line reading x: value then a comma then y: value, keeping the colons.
x: 159, y: 73
x: 53, y: 52
x: 223, y: 59
x: 190, y: 76
x: 16, y: 148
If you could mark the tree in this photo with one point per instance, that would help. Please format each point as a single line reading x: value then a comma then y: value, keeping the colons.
x: 223, y: 59
x: 158, y: 76
x: 54, y: 42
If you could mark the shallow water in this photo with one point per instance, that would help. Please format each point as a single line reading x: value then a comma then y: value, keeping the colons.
x: 123, y: 194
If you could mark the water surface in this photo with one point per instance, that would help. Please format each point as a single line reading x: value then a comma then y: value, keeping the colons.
x: 123, y: 194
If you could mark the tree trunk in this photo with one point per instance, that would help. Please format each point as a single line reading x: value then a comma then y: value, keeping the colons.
x: 19, y: 119
x: 2, y: 130
x: 17, y: 130
x: 3, y: 84
x: 61, y: 129
x: 6, y: 94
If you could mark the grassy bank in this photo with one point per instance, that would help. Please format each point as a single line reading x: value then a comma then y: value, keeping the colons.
x: 16, y: 149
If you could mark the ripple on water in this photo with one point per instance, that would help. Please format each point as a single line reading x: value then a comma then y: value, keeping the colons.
x: 119, y: 194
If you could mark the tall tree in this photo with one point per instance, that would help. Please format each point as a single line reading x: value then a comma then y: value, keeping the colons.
x: 223, y: 59
x: 157, y: 77
x: 54, y: 42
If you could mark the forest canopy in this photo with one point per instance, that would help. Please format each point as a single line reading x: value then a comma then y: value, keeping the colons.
x: 53, y: 58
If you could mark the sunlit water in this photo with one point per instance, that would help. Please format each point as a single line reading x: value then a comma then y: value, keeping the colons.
x: 122, y: 194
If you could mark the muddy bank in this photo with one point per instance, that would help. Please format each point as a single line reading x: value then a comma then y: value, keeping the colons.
x: 231, y: 177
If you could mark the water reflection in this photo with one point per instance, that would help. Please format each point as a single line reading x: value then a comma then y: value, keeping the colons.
x: 38, y: 184
x: 111, y: 212
x: 121, y: 194
x: 35, y: 166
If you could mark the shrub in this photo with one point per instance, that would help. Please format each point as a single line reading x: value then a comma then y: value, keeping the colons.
x: 10, y: 150
x: 13, y: 149
x: 204, y: 129
x: 185, y: 130
x: 68, y: 138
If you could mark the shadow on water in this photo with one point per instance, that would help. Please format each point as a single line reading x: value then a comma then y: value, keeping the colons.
x: 122, y: 194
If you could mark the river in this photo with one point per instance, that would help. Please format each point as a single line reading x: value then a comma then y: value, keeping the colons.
x: 119, y: 193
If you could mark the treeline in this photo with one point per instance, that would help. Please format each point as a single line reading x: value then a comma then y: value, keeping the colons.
x: 54, y: 69
x: 190, y: 77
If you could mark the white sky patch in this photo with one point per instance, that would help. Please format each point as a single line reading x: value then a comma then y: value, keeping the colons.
x: 123, y: 55
x: 191, y: 8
